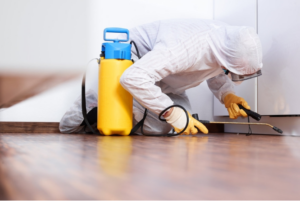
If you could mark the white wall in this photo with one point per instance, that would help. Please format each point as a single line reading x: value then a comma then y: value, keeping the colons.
x: 41, y: 36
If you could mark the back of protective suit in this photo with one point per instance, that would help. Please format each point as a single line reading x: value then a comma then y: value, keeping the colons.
x: 168, y: 33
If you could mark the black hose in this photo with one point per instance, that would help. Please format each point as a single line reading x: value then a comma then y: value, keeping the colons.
x: 159, y: 117
x: 137, y: 50
x: 249, y: 128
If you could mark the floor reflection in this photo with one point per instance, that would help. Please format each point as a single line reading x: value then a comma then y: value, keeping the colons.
x: 186, y: 151
x: 114, y: 153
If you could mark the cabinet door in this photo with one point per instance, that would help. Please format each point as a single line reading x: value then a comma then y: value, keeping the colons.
x: 279, y: 30
x: 237, y: 13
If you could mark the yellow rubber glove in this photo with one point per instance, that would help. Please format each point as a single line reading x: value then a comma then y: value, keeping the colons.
x: 178, y: 121
x: 231, y: 102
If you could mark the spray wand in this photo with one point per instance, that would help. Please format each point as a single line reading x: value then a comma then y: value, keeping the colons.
x: 250, y: 113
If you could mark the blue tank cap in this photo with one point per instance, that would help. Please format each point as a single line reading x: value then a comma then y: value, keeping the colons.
x: 116, y: 50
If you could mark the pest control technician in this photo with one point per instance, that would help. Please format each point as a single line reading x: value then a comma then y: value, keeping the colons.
x: 178, y: 55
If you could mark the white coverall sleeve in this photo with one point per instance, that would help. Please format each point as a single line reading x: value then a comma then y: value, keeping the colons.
x: 140, y: 78
x: 220, y: 86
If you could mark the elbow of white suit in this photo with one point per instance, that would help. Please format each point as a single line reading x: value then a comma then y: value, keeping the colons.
x: 134, y: 80
x: 125, y: 82
x: 129, y: 81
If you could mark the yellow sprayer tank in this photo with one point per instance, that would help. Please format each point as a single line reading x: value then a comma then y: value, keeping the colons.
x: 114, y: 102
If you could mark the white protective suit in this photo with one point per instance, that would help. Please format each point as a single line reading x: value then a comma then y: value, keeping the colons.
x: 181, y: 54
x: 178, y: 55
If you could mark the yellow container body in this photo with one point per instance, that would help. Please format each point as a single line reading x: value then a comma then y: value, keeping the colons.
x: 114, y: 102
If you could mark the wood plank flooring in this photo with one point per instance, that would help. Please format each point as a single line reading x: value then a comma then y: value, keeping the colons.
x: 52, y: 127
x: 29, y: 127
x: 214, y: 166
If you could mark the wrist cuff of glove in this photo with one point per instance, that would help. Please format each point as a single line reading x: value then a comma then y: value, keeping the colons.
x: 225, y: 94
x: 177, y: 118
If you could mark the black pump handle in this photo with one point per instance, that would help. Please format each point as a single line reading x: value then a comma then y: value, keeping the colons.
x: 250, y: 113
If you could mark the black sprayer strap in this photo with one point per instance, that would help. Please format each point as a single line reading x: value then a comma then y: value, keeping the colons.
x: 83, y: 106
x: 139, y: 124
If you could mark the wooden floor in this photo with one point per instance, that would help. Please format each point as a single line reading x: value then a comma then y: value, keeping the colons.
x: 215, y: 166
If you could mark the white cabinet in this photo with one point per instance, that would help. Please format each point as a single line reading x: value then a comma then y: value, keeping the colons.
x: 279, y: 31
x: 237, y: 13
